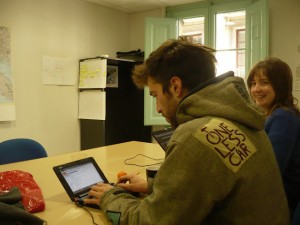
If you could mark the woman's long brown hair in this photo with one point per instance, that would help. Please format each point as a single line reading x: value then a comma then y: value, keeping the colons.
x: 280, y: 77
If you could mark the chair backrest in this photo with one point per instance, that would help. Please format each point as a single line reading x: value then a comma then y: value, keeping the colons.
x: 296, y: 216
x: 20, y: 149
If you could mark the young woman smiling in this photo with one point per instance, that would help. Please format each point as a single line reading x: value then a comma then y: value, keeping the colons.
x: 270, y: 83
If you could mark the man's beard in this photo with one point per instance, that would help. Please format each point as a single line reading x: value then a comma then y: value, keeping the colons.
x: 173, y: 121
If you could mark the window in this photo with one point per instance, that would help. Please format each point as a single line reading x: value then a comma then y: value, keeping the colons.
x: 192, y: 28
x: 227, y: 24
x: 230, y: 42
x: 238, y: 30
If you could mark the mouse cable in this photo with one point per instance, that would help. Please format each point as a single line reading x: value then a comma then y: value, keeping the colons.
x: 89, y: 213
x: 134, y: 164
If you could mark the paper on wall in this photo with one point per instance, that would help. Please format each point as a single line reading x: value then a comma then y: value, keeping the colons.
x: 92, y: 104
x: 59, y: 70
x: 92, y: 73
x: 7, y: 102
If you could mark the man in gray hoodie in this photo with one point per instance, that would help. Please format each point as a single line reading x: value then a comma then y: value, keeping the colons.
x: 219, y: 167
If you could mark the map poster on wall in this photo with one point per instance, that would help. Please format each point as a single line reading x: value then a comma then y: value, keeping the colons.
x: 92, y: 73
x: 7, y: 105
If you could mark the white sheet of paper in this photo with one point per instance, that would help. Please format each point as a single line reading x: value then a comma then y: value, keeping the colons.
x: 92, y: 73
x: 92, y: 104
x: 59, y: 70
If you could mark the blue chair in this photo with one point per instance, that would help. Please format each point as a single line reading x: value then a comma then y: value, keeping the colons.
x: 296, y: 216
x: 20, y: 149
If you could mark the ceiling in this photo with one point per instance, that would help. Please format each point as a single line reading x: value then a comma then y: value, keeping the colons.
x: 135, y: 6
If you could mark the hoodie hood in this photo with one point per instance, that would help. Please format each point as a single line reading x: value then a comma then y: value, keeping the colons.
x: 224, y: 96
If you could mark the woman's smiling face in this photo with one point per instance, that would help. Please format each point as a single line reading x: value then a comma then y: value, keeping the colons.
x: 262, y: 91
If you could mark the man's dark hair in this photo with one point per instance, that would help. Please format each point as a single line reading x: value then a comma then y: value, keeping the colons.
x: 192, y: 63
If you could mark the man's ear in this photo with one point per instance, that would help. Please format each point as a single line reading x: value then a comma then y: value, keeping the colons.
x: 176, y: 86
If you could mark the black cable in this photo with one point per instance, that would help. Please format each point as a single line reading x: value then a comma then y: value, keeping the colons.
x: 134, y: 164
x: 81, y: 206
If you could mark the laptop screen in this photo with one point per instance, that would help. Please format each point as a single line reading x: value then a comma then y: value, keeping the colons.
x: 82, y: 176
x: 163, y: 136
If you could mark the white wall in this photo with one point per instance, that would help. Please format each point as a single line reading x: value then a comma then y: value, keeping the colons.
x: 64, y: 28
x: 284, y: 26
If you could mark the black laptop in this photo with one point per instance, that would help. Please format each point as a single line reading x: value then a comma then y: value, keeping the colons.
x: 78, y: 176
x: 163, y: 136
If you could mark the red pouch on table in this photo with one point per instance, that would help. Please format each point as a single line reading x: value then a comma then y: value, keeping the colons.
x: 32, y: 198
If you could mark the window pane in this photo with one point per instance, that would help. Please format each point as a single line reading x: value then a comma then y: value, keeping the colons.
x: 226, y: 27
x: 228, y: 60
x: 193, y: 28
x: 230, y: 42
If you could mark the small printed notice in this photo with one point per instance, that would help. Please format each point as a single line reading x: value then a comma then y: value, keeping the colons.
x: 92, y: 73
x: 112, y: 77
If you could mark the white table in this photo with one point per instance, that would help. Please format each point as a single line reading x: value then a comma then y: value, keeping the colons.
x: 59, y: 208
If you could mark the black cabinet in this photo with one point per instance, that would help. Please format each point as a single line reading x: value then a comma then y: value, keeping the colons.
x: 124, y: 112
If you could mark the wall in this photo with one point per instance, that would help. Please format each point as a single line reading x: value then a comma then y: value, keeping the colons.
x: 284, y: 26
x: 137, y: 27
x: 63, y: 28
